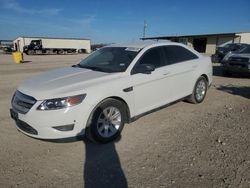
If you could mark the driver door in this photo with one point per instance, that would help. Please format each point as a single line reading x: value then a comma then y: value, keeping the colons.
x: 148, y: 89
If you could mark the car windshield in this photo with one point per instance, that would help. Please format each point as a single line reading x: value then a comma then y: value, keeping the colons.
x: 233, y: 46
x: 110, y: 59
x: 226, y: 46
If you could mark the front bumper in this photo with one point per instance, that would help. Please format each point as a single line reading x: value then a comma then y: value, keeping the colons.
x: 40, y: 124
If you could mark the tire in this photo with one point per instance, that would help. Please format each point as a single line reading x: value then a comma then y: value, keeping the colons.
x: 200, y: 91
x: 107, y: 121
x: 60, y: 52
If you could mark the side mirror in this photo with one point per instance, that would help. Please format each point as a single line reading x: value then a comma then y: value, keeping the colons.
x: 144, y: 69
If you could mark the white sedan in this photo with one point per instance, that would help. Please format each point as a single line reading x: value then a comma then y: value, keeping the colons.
x: 112, y: 86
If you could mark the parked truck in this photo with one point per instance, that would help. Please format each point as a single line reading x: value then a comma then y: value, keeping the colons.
x: 32, y: 46
x: 6, y: 46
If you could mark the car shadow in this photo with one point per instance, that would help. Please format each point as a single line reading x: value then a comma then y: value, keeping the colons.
x: 26, y: 61
x: 243, y: 91
x: 102, y: 166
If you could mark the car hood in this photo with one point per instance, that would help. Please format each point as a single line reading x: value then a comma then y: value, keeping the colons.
x: 63, y: 82
x: 240, y: 55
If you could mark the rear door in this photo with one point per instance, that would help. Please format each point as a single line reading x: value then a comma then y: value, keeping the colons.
x: 181, y: 67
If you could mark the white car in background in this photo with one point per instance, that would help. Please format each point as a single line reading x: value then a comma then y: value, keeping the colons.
x: 114, y: 85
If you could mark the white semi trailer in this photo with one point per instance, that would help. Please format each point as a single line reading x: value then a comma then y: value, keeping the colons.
x: 42, y: 45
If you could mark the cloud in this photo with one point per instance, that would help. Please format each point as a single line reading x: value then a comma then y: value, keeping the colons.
x: 15, y: 6
x: 16, y: 22
x: 86, y: 21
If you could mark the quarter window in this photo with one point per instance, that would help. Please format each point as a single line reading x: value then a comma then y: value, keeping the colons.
x: 176, y: 54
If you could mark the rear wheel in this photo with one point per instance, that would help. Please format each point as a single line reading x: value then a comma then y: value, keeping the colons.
x: 199, y: 92
x: 107, y: 121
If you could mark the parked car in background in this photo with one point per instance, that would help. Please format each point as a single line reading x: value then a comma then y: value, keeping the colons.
x: 6, y: 49
x: 222, y: 51
x: 114, y: 85
x: 237, y: 62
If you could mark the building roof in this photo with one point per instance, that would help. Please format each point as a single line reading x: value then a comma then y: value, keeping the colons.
x: 139, y: 44
x: 193, y: 35
x: 5, y: 40
x: 52, y: 38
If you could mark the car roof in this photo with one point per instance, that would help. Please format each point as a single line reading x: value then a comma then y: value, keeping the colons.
x: 232, y: 44
x: 141, y: 43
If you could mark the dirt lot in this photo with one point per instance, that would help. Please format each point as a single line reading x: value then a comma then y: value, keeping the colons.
x: 183, y: 145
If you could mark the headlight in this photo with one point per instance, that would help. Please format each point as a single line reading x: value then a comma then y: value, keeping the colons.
x: 59, y: 103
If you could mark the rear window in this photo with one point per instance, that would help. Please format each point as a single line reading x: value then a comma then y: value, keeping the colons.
x: 177, y: 54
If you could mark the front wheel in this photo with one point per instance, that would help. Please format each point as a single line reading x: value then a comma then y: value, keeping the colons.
x: 200, y: 91
x: 107, y: 121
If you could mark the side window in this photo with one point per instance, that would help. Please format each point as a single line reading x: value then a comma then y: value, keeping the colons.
x: 176, y: 54
x: 152, y: 57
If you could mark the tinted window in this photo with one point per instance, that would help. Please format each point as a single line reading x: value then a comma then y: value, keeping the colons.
x: 234, y: 47
x: 152, y: 57
x: 245, y: 50
x: 176, y: 54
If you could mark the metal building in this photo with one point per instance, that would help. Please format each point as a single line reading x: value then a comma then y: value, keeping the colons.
x: 207, y: 43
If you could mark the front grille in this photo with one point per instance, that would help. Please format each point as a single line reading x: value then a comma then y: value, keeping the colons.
x: 238, y: 64
x: 25, y: 127
x: 22, y: 103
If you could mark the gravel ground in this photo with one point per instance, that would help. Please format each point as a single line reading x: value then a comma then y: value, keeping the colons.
x: 183, y: 145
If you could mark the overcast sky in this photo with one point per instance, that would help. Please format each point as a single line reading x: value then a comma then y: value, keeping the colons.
x: 119, y: 21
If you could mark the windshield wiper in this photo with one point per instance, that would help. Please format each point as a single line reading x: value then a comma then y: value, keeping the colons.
x: 91, y: 68
x: 77, y: 65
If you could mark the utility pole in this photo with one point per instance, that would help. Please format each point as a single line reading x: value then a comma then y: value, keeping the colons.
x: 144, y: 28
